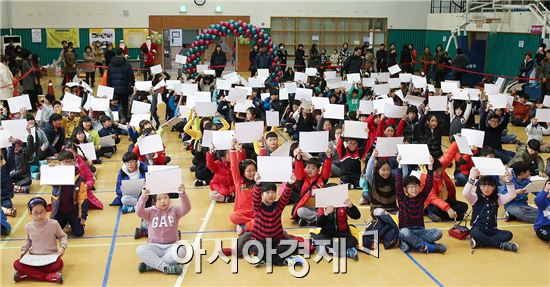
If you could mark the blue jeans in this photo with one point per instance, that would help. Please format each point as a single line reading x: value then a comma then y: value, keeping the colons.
x: 417, y: 237
x: 504, y: 155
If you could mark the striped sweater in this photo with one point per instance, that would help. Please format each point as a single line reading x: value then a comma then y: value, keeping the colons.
x: 411, y: 210
x: 267, y: 218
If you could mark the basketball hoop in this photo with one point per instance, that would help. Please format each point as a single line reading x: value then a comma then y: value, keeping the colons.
x: 479, y: 23
x: 493, y: 24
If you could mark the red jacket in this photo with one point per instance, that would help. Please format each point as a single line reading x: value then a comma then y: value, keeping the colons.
x: 149, y: 56
x: 433, y: 197
x: 160, y: 158
x: 221, y: 171
x: 316, y: 182
x: 372, y: 132
x: 243, y: 194
x: 88, y: 176
x: 464, y: 163
x: 398, y: 132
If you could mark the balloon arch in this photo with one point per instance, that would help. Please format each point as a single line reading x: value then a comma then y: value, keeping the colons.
x: 228, y: 28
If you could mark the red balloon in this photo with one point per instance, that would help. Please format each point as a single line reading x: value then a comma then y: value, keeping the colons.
x: 201, y: 42
x: 240, y: 22
x: 231, y: 26
x: 271, y: 51
x: 280, y: 73
x: 277, y: 79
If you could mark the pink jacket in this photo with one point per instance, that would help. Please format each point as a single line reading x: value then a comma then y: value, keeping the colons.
x: 88, y: 176
x: 162, y: 225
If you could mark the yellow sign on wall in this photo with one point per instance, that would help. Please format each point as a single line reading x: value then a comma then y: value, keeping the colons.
x: 134, y: 37
x: 55, y: 36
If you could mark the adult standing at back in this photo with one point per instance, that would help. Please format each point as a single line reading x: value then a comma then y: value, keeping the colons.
x: 405, y: 61
x: 252, y: 58
x: 299, y: 59
x: 314, y: 57
x: 29, y: 82
x: 353, y: 63
x: 545, y: 73
x: 70, y: 64
x: 121, y: 77
x: 218, y: 60
x: 99, y: 57
x: 263, y: 60
x: 460, y: 62
x: 6, y: 79
x: 382, y: 59
x: 345, y: 53
x: 148, y: 53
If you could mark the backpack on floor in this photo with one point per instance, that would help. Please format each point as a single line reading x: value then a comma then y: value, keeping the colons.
x: 388, y: 231
x: 459, y: 231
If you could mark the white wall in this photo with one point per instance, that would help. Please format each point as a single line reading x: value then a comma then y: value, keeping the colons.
x: 4, y: 16
x: 104, y: 14
x: 517, y: 22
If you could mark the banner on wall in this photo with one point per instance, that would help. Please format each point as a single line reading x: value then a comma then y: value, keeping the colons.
x: 104, y: 36
x: 55, y: 36
x: 134, y: 37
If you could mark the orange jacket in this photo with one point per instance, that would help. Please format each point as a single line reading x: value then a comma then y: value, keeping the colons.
x: 433, y: 197
x: 521, y: 111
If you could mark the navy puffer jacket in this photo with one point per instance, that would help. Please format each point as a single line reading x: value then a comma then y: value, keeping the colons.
x: 120, y: 76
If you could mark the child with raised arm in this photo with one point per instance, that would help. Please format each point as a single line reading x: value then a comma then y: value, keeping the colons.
x: 267, y: 221
x: 334, y: 224
x: 482, y: 194
x: 310, y: 177
x: 411, y: 199
x: 162, y: 251
x: 243, y: 172
x: 42, y: 236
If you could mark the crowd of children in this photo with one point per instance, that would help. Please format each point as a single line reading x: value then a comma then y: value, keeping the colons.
x: 232, y: 175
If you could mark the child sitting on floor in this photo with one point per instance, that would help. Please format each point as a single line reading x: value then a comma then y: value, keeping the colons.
x: 350, y: 160
x: 243, y: 172
x: 162, y: 251
x: 21, y: 155
x: 267, y: 227
x: 411, y: 213
x: 518, y: 208
x: 334, y: 224
x: 131, y: 168
x: 223, y: 188
x: 310, y: 177
x: 381, y: 181
x: 482, y: 194
x: 70, y: 202
x: 542, y: 224
x: 42, y: 236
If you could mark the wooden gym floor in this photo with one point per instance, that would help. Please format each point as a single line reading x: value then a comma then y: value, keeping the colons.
x: 106, y: 254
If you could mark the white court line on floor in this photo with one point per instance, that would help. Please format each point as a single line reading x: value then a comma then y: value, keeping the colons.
x: 198, y: 237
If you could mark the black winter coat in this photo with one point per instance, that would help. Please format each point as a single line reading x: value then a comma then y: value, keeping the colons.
x: 120, y: 76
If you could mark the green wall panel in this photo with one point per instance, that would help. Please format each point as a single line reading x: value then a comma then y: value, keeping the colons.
x: 504, y: 54
x: 434, y: 38
x: 47, y: 55
x: 403, y: 37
